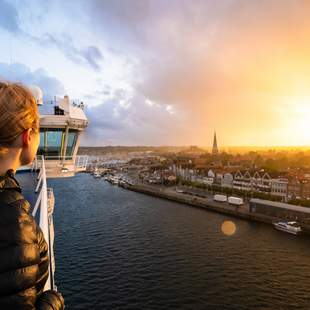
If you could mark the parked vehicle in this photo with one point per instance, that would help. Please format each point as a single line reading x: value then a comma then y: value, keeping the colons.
x: 235, y: 201
x: 220, y: 198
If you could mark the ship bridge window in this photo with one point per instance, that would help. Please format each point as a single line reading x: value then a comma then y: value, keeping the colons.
x: 42, y: 143
x: 51, y: 142
x: 72, y: 137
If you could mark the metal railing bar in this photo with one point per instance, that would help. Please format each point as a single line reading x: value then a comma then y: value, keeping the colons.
x: 36, y: 207
x: 44, y: 220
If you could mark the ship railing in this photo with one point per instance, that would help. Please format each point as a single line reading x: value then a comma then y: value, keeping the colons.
x: 36, y: 164
x: 45, y: 205
x: 58, y: 157
x: 80, y: 161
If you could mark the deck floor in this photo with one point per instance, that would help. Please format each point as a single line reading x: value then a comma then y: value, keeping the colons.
x: 28, y: 183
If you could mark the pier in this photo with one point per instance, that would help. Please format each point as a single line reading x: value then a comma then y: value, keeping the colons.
x: 206, y: 203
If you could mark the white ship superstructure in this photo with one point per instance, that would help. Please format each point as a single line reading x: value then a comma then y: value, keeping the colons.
x: 61, y: 125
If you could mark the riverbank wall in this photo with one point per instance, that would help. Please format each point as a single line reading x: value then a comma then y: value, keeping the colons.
x: 203, y: 203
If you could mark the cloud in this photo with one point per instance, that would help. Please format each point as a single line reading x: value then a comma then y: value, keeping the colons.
x: 202, y: 47
x: 93, y: 56
x: 220, y: 62
x: 130, y: 119
x: 89, y: 55
x: 20, y: 73
x: 9, y: 17
x: 226, y: 64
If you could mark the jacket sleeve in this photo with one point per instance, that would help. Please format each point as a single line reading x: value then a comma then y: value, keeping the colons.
x: 50, y: 300
x: 20, y: 261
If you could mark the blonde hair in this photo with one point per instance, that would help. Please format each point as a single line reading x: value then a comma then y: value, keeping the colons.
x: 18, y: 112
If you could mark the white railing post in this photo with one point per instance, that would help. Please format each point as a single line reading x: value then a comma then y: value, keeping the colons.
x: 45, y: 222
x: 36, y: 206
x: 40, y: 177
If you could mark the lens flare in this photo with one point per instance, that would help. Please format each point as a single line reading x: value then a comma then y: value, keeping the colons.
x: 228, y: 228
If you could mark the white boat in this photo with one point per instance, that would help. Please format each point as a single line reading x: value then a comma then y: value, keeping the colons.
x: 115, y: 180
x: 289, y: 227
x: 97, y: 175
x: 178, y: 190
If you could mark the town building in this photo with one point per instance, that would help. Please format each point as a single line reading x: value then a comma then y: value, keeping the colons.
x: 242, y: 181
x: 227, y: 180
x: 279, y: 188
x: 211, y: 174
x: 294, y: 189
x: 305, y: 193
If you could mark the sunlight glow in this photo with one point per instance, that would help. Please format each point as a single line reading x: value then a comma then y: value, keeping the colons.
x: 301, y: 122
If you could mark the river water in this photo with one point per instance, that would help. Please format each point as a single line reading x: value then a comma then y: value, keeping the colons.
x: 117, y: 249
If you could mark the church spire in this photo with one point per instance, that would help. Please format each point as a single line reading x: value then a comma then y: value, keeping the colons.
x: 215, y: 148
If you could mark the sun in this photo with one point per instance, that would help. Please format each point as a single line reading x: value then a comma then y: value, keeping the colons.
x: 293, y: 119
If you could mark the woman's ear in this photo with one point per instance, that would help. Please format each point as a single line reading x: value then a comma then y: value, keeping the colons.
x: 26, y: 137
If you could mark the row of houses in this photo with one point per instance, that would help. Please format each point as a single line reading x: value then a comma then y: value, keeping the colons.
x: 287, y: 189
x: 257, y: 182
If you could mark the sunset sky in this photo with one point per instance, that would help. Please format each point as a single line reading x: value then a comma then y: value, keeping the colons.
x: 168, y: 72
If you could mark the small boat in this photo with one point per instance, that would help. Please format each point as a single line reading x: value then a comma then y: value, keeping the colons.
x: 289, y: 227
x: 97, y: 175
x: 115, y: 180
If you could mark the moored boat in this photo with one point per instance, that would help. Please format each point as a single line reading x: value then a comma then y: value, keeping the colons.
x: 97, y: 174
x: 289, y: 227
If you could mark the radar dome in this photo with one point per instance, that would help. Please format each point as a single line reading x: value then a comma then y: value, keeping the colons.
x: 37, y: 93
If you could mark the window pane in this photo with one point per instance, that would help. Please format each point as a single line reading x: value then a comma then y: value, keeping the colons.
x: 72, y: 136
x: 54, y: 142
x: 42, y: 143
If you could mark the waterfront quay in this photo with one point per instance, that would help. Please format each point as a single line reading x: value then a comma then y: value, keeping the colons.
x: 195, y: 177
x: 207, y: 202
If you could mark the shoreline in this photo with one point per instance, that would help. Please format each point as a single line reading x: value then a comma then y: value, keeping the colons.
x: 207, y: 204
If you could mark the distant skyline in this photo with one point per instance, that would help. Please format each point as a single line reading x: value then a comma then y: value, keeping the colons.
x: 168, y: 72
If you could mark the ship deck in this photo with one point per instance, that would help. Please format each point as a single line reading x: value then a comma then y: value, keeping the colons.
x: 28, y: 182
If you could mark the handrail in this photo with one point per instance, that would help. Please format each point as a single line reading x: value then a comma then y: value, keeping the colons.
x: 80, y: 161
x: 45, y: 221
x: 59, y: 157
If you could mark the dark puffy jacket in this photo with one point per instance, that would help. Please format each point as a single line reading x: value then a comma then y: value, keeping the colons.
x: 23, y: 253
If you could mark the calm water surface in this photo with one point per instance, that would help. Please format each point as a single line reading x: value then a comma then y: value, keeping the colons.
x: 117, y: 249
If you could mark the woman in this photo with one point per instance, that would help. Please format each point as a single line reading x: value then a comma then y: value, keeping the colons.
x: 23, y: 249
